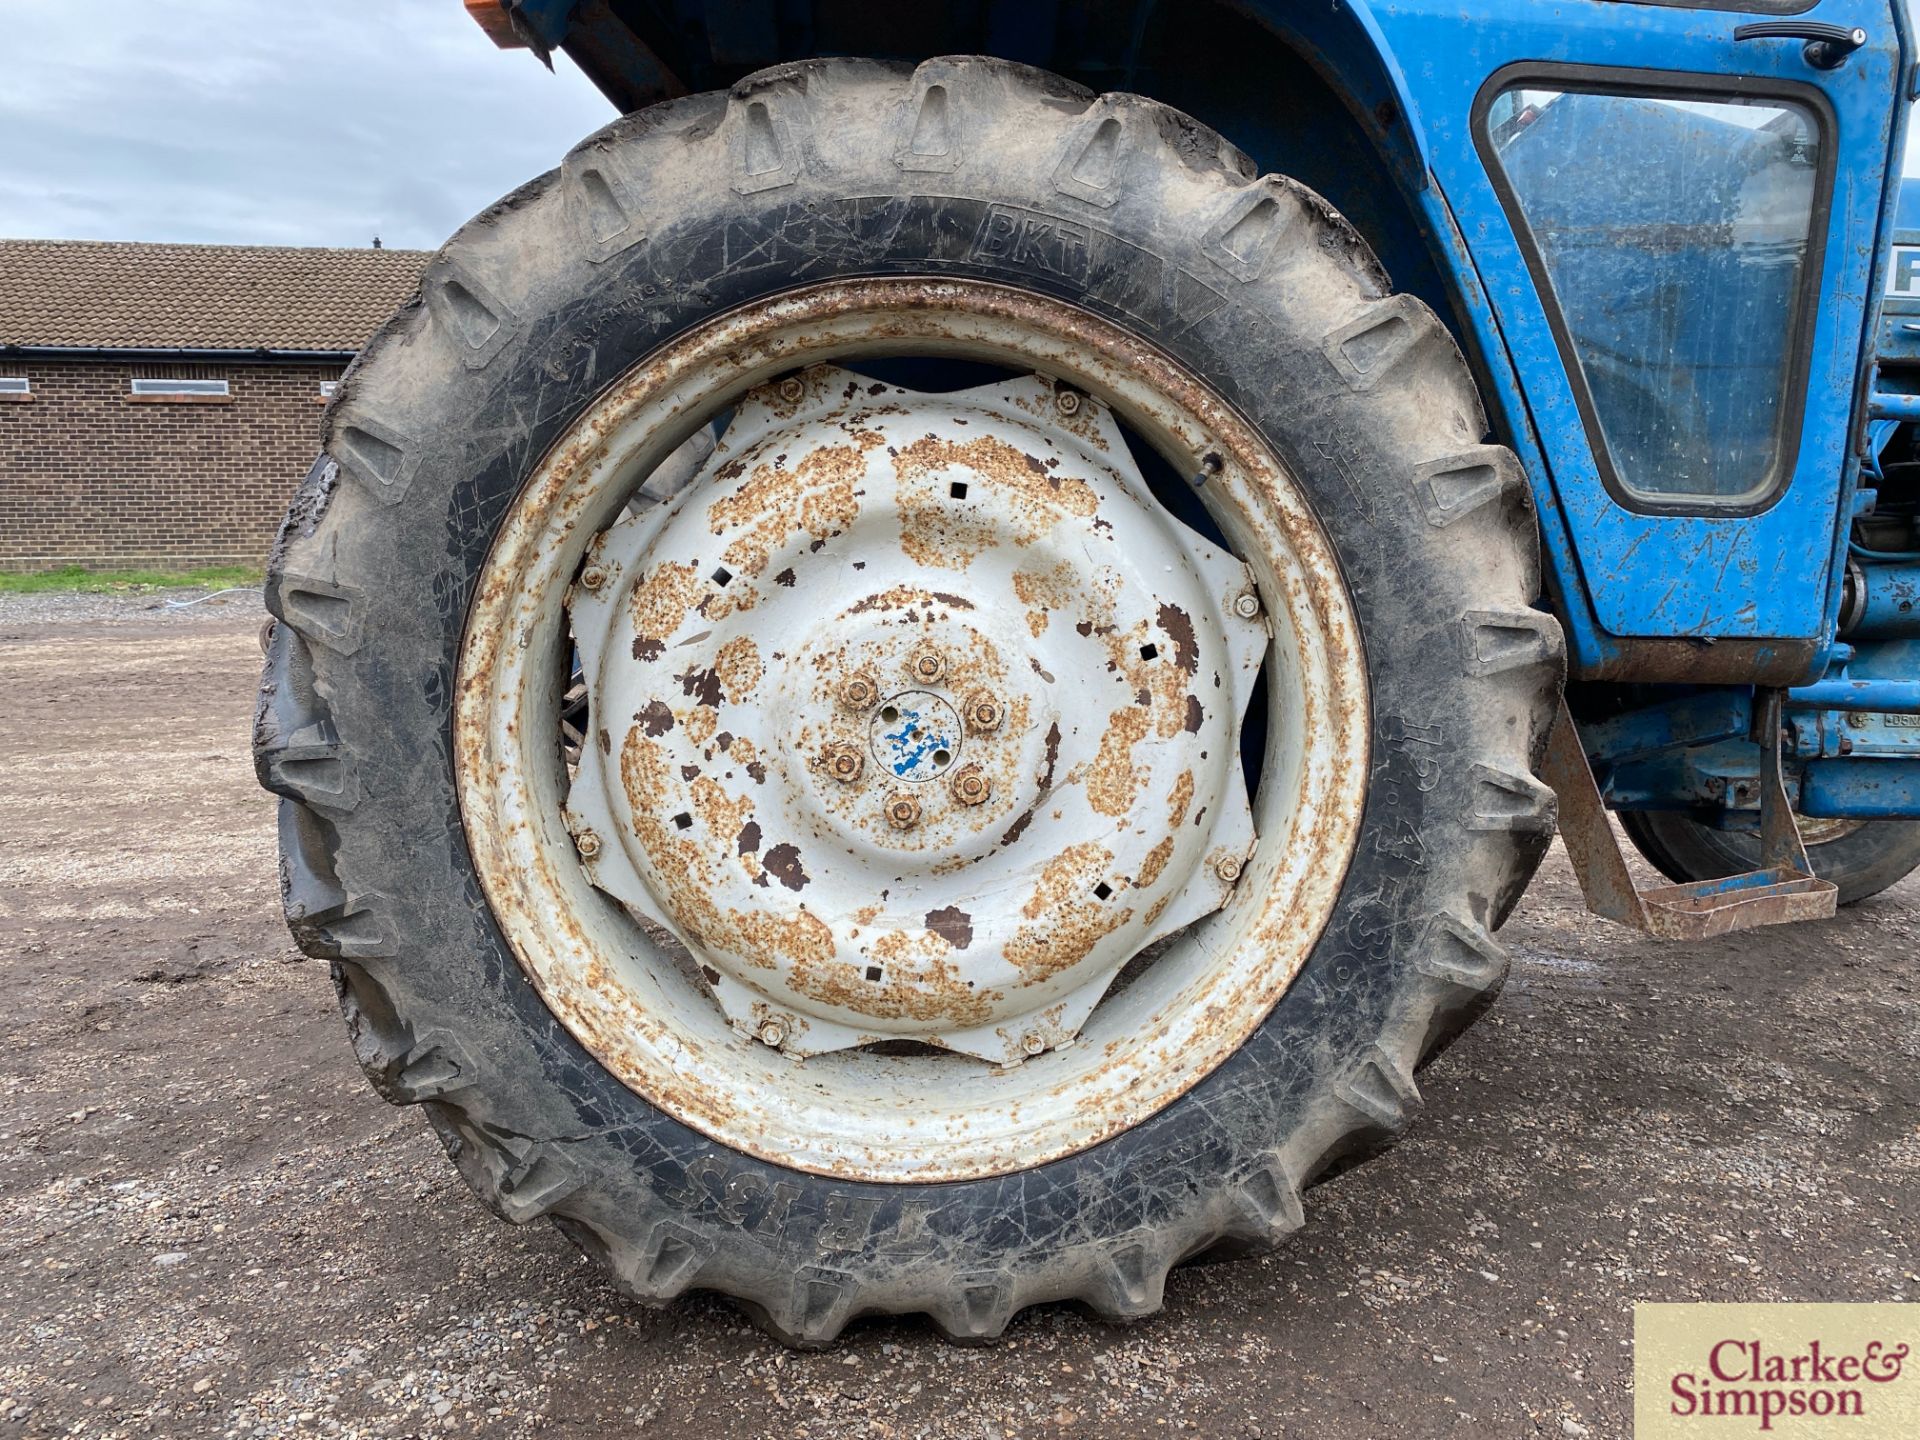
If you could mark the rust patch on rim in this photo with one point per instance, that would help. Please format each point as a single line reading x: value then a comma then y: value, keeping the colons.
x: 1045, y: 591
x: 817, y: 497
x: 660, y: 603
x: 738, y: 668
x: 1112, y: 786
x: 935, y: 534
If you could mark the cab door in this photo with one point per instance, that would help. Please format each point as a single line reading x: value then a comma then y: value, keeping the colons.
x: 1677, y: 228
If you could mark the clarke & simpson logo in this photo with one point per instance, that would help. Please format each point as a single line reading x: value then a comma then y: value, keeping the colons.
x: 1787, y: 1370
x: 1742, y: 1378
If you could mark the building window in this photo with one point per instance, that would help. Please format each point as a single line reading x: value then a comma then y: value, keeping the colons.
x: 327, y: 387
x: 15, y: 387
x: 171, y: 387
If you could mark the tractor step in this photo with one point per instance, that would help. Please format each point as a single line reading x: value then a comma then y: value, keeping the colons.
x: 1784, y: 892
x: 1707, y: 908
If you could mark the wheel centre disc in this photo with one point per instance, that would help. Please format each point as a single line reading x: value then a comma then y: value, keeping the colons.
x: 828, y: 732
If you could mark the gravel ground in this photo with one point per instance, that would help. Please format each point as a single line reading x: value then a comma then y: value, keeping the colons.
x: 209, y: 1226
x: 24, y: 616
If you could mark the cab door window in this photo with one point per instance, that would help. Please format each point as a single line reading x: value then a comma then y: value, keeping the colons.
x: 1673, y: 236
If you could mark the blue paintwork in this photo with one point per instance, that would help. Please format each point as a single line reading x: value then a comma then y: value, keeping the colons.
x: 1890, y: 598
x: 1720, y: 779
x: 548, y: 20
x: 913, y: 746
x: 1734, y: 884
x: 1765, y: 576
x: 1889, y: 405
x: 1701, y: 717
x: 1838, y: 734
x: 1406, y: 78
x: 1866, y: 790
x: 1885, y: 697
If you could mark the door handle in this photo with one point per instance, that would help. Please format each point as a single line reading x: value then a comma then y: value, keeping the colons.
x: 1828, y: 46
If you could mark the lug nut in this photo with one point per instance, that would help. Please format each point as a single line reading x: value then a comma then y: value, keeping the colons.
x: 983, y: 712
x: 773, y: 1034
x: 859, y: 692
x: 792, y: 390
x: 592, y: 578
x: 1067, y: 400
x: 1227, y: 867
x: 903, y: 812
x: 587, y: 843
x: 1033, y: 1042
x: 970, y: 787
x: 928, y: 667
x: 845, y: 763
x: 1246, y: 605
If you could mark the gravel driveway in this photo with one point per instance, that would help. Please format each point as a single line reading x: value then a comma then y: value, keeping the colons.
x: 210, y: 1226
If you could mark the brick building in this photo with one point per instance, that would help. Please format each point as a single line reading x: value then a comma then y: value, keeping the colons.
x: 158, y: 403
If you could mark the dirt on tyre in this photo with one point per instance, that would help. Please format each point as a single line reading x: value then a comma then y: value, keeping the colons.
x: 907, y: 690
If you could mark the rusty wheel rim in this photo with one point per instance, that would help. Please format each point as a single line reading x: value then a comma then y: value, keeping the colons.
x: 1815, y: 833
x: 914, y: 721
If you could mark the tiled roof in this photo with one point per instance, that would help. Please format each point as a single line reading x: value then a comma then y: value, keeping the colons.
x: 202, y: 297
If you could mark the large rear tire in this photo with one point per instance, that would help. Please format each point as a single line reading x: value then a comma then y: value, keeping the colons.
x: 969, y: 195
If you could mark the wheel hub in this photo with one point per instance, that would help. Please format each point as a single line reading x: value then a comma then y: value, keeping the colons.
x: 916, y: 717
x: 915, y: 736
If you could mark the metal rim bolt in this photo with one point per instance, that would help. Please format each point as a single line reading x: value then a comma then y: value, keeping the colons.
x: 1033, y: 1042
x: 773, y: 1033
x: 1067, y: 401
x: 587, y: 843
x: 1227, y: 867
x: 903, y: 812
x: 970, y: 787
x: 845, y: 763
x: 592, y: 578
x: 983, y: 712
x: 928, y: 667
x: 1246, y: 604
x: 792, y: 390
x: 859, y: 692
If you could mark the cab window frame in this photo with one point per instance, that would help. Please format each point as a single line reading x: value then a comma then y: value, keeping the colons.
x: 1631, y: 83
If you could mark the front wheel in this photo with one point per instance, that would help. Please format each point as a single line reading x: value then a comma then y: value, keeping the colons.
x: 1860, y: 857
x: 907, y: 691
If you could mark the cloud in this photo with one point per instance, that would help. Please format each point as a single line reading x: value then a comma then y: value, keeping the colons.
x: 238, y: 122
x: 265, y: 121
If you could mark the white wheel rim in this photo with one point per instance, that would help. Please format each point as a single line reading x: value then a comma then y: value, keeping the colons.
x: 747, y: 1051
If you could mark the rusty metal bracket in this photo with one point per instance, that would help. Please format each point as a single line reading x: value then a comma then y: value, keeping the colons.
x: 1783, y: 891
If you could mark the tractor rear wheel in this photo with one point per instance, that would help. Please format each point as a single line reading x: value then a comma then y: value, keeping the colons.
x: 1862, y: 858
x: 907, y: 690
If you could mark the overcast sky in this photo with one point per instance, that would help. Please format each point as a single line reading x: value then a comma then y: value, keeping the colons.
x: 270, y: 121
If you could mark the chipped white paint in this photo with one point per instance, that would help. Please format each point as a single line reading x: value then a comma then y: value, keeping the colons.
x: 946, y: 547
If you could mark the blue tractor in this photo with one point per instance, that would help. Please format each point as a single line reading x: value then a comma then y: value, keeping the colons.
x: 918, y: 682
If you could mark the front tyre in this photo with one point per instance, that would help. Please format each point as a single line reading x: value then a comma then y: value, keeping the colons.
x: 907, y: 691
